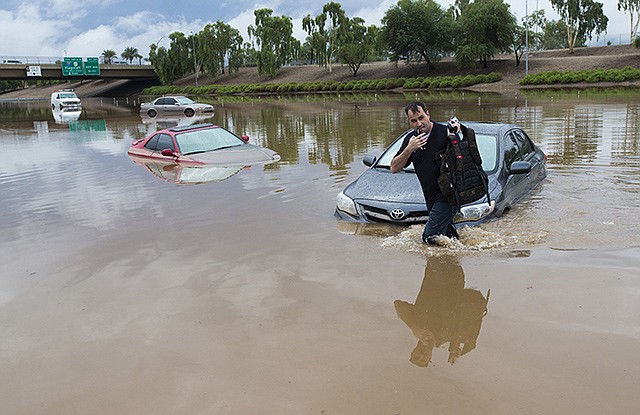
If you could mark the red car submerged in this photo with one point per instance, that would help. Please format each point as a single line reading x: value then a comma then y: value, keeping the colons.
x: 201, y: 144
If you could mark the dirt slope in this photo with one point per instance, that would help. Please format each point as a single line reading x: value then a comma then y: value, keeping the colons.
x: 604, y: 57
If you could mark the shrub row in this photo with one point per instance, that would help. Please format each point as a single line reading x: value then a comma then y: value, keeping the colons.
x: 628, y: 73
x: 451, y: 81
x: 329, y: 86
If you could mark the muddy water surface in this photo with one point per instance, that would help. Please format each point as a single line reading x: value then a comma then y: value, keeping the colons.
x: 122, y: 291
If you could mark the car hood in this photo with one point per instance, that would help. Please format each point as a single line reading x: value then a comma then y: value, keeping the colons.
x: 381, y: 185
x: 240, y: 155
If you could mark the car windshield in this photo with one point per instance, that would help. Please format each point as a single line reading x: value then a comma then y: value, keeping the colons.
x: 185, y: 100
x: 211, y: 139
x: 487, y: 144
x: 68, y: 95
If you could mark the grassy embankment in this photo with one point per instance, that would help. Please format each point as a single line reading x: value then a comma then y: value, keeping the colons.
x: 589, y: 76
x: 385, y: 84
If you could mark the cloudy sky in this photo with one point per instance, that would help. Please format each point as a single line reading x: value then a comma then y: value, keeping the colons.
x: 86, y: 28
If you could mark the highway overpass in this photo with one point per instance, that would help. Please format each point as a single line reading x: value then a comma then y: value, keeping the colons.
x: 47, y: 71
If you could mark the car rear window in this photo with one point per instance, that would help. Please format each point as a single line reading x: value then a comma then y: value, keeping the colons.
x: 206, y: 140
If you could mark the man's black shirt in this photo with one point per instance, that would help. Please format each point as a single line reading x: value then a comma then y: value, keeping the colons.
x: 426, y: 162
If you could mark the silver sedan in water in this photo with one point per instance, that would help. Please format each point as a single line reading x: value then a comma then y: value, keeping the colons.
x: 175, y: 105
x: 514, y: 164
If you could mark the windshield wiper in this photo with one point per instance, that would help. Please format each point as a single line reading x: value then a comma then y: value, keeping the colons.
x: 195, y: 152
x: 229, y: 146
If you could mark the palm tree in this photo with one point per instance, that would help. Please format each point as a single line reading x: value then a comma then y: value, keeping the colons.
x: 130, y: 53
x: 108, y: 55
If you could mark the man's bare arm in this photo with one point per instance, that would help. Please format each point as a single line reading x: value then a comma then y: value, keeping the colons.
x: 399, y: 161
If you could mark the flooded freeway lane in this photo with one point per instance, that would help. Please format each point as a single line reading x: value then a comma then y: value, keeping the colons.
x: 124, y: 292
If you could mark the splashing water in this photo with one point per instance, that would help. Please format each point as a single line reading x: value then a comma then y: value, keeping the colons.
x: 472, y: 239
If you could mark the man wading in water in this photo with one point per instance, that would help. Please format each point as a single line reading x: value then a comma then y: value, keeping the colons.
x: 421, y: 147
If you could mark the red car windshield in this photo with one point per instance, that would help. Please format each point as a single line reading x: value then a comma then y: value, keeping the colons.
x: 211, y: 139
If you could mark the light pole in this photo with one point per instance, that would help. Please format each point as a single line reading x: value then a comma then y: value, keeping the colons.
x: 195, y: 67
x: 526, y: 35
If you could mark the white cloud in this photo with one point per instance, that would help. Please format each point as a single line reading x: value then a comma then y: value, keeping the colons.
x: 373, y: 16
x: 68, y: 10
x: 242, y: 22
x: 51, y: 27
x: 92, y: 42
x: 138, y: 30
x: 25, y: 32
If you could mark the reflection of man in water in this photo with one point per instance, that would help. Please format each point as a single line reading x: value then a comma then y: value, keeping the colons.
x: 444, y: 311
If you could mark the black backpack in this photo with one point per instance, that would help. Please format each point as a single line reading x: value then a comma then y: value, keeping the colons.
x: 462, y: 179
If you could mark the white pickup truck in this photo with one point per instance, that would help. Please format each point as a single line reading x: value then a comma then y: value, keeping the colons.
x: 65, y: 99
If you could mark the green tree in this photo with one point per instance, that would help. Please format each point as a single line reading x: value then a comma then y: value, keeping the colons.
x: 554, y: 36
x: 10, y: 85
x: 157, y: 57
x: 179, y: 55
x: 306, y: 53
x: 521, y: 37
x: 418, y: 30
x: 537, y: 21
x: 633, y: 7
x: 356, y: 45
x: 485, y: 28
x: 108, y: 55
x: 583, y: 18
x: 275, y: 41
x: 519, y: 43
x: 326, y: 31
x: 130, y: 53
x: 218, y: 44
x: 173, y: 63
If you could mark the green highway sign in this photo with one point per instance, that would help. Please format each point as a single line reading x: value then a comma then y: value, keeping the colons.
x: 72, y: 67
x: 92, y: 66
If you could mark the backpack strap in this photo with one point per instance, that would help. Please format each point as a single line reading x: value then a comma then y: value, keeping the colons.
x: 453, y: 150
x: 470, y: 135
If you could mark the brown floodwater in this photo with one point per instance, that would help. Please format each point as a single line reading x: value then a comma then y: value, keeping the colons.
x: 238, y: 291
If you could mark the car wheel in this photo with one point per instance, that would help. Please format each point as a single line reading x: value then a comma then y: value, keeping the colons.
x: 189, y: 112
x: 53, y: 106
x: 152, y: 113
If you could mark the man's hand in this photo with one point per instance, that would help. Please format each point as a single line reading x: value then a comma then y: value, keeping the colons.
x: 417, y: 141
x: 453, y: 122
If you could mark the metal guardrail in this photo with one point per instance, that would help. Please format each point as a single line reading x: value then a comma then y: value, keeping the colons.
x: 41, y: 60
x: 19, y: 60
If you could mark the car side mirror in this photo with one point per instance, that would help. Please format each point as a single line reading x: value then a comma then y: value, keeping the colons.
x: 520, y: 167
x: 369, y: 159
x: 167, y: 152
x: 245, y: 138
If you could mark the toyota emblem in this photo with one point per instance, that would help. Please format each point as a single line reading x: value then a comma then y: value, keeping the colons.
x: 396, y: 214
